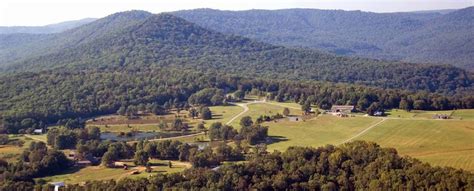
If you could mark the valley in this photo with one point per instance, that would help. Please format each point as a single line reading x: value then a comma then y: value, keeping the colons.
x: 203, y: 99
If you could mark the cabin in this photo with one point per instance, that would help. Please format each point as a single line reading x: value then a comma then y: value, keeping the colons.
x: 294, y: 119
x: 57, y: 185
x: 38, y: 131
x: 378, y: 113
x: 440, y: 116
x: 342, y: 108
x: 83, y: 163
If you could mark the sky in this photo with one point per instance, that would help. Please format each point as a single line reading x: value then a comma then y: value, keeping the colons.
x: 42, y: 12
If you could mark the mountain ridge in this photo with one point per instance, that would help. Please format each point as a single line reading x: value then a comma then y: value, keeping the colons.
x: 165, y: 40
x: 388, y: 36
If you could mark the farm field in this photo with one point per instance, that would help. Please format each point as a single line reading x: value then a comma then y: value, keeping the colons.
x: 439, y: 142
x: 258, y: 109
x: 223, y: 113
x: 467, y: 114
x: 90, y: 173
x: 11, y: 152
x: 325, y: 129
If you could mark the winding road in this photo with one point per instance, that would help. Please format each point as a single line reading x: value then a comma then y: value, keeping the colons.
x: 242, y: 105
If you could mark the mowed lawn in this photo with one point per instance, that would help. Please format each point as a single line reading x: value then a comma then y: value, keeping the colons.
x: 91, y: 173
x: 258, y: 109
x: 439, y: 142
x: 399, y: 113
x: 223, y: 113
x: 464, y: 114
x: 325, y: 129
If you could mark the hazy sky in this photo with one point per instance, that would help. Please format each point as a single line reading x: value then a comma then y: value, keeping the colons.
x: 41, y: 12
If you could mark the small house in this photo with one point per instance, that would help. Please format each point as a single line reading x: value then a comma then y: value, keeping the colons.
x: 440, y: 116
x: 294, y: 119
x: 83, y: 163
x: 378, y: 113
x: 38, y: 131
x: 57, y: 185
x: 342, y: 108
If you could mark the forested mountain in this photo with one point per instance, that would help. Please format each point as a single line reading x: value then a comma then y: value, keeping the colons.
x: 52, y: 28
x: 16, y: 47
x: 429, y: 37
x: 140, y: 39
x: 136, y: 58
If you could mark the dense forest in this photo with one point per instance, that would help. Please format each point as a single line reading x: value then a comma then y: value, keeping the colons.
x: 428, y: 37
x: 168, y: 41
x: 162, y: 59
x: 352, y: 166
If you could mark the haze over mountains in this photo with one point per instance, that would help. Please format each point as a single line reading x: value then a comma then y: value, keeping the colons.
x: 429, y: 37
x: 141, y: 39
x: 424, y: 37
x: 52, y: 28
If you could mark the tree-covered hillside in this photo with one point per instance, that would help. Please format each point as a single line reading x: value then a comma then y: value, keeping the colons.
x: 416, y: 37
x: 17, y: 47
x: 162, y: 59
x: 164, y: 40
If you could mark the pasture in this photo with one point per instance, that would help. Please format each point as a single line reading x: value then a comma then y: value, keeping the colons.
x: 319, y: 131
x: 438, y: 142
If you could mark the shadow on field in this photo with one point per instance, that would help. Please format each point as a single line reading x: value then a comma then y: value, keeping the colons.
x: 276, y: 139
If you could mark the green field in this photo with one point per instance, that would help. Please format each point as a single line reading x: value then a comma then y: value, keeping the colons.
x: 258, y: 109
x: 11, y: 152
x: 90, y: 173
x: 439, y: 142
x: 223, y: 113
x: 319, y: 131
x: 418, y: 114
x: 467, y: 114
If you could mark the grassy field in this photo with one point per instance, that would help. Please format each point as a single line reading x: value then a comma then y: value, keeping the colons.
x: 319, y: 131
x: 258, y: 109
x: 223, y: 113
x: 465, y: 114
x: 11, y: 152
x: 146, y: 123
x: 398, y: 113
x: 439, y: 142
x: 90, y: 173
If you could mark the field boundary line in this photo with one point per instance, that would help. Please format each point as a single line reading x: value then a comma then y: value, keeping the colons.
x: 364, y: 131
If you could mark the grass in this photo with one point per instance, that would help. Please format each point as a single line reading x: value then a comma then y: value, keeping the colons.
x: 319, y: 131
x: 439, y: 142
x: 399, y: 113
x: 258, y: 109
x: 146, y: 123
x: 223, y: 113
x: 90, y: 173
x: 10, y: 152
x: 465, y: 114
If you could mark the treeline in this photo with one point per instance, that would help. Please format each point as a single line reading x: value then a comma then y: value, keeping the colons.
x: 35, y: 99
x: 64, y: 138
x: 35, y: 161
x: 352, y: 166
